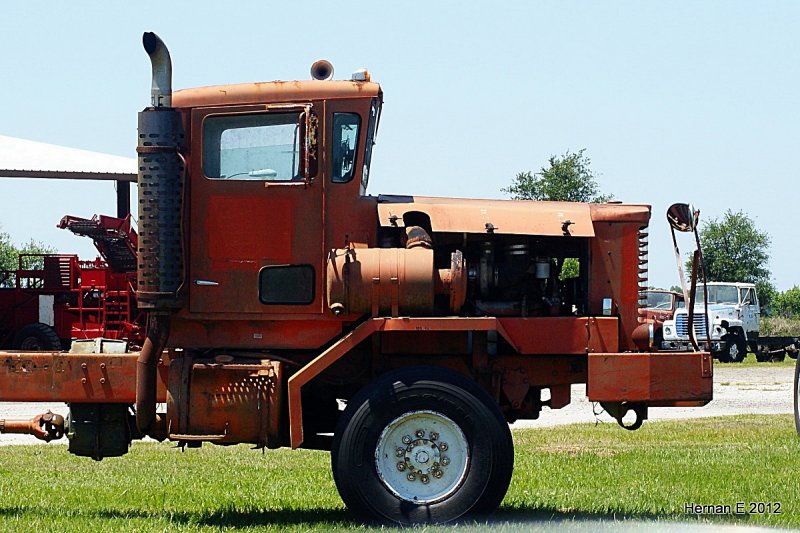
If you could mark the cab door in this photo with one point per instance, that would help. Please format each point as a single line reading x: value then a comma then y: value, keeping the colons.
x: 255, y: 211
x: 750, y: 309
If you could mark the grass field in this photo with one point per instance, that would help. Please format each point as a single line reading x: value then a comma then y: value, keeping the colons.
x: 750, y: 360
x: 564, y: 474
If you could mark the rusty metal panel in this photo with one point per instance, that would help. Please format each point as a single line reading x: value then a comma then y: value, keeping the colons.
x: 545, y: 370
x: 277, y: 91
x: 603, y: 334
x: 61, y: 377
x: 424, y: 342
x: 382, y: 281
x: 226, y: 402
x: 562, y: 335
x: 509, y: 217
x: 244, y: 226
x: 620, y: 213
x: 650, y: 377
x: 241, y: 332
x: 615, y: 274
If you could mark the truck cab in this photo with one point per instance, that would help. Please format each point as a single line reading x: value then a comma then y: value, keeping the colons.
x: 733, y: 320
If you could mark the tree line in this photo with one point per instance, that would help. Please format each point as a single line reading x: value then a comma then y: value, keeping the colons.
x: 10, y: 253
x: 734, y: 249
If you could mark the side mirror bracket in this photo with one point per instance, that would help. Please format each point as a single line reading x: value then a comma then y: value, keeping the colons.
x: 684, y: 218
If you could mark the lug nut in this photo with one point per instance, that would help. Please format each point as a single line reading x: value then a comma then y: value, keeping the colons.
x: 401, y: 466
x: 438, y: 474
x: 443, y: 446
x: 407, y: 439
x: 411, y: 476
x: 434, y: 435
x: 445, y: 461
x: 420, y: 433
x: 400, y: 452
x: 424, y: 479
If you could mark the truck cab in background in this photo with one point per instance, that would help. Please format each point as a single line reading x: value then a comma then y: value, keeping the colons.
x: 733, y: 319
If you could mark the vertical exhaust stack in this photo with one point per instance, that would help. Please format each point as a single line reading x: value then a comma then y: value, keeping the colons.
x: 160, y: 254
x: 161, y: 90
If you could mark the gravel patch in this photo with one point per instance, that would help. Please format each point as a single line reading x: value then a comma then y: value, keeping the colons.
x: 738, y: 390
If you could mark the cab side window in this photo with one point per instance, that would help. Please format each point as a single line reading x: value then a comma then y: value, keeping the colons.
x: 748, y: 297
x: 264, y: 146
x: 345, y: 143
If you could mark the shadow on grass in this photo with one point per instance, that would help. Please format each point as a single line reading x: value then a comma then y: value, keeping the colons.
x: 341, y: 518
x: 223, y: 517
x: 523, y: 515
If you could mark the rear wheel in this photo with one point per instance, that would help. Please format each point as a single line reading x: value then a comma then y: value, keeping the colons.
x: 422, y: 445
x: 36, y: 337
x: 762, y: 354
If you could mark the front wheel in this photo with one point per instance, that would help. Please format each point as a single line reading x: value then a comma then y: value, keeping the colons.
x: 422, y: 445
x: 735, y: 349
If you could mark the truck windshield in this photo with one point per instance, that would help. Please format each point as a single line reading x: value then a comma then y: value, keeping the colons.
x: 372, y: 130
x: 719, y: 294
x: 659, y: 300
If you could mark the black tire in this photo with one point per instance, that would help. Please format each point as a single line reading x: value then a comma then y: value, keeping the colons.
x: 762, y: 356
x: 36, y: 337
x: 735, y: 349
x: 778, y: 357
x: 435, y: 400
x: 797, y: 396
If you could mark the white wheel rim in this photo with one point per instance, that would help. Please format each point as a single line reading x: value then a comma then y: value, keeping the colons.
x: 734, y: 351
x: 422, y: 457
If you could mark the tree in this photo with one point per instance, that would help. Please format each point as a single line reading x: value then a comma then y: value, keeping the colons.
x: 567, y: 179
x: 735, y: 250
x: 9, y: 256
x: 8, y: 253
x: 787, y: 304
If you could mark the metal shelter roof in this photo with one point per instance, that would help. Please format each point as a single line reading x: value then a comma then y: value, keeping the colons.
x: 20, y: 158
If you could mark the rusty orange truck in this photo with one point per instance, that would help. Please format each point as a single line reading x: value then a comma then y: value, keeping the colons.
x: 289, y: 308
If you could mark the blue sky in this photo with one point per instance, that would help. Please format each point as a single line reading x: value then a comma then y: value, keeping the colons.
x: 692, y: 101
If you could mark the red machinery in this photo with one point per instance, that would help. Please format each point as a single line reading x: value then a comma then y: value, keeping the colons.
x: 401, y: 333
x: 52, y: 299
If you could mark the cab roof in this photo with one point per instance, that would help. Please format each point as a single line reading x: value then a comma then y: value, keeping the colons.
x: 274, y: 92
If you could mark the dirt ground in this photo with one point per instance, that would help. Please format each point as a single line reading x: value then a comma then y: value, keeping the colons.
x: 761, y: 389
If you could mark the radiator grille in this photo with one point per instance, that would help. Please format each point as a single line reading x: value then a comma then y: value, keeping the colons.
x: 682, y: 324
x: 642, y: 267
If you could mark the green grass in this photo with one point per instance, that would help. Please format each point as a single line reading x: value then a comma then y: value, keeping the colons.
x: 565, y: 474
x: 750, y: 361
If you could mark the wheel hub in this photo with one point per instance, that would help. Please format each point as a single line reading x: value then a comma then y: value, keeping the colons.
x: 422, y: 456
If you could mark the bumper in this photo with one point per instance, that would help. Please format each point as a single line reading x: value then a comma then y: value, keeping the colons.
x: 655, y: 379
x: 685, y: 346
